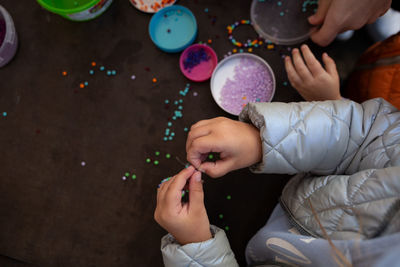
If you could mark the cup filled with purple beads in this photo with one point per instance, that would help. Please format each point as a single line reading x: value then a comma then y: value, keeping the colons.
x: 240, y: 79
x: 198, y: 62
x: 8, y: 37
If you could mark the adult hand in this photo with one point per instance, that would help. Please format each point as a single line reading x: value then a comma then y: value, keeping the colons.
x: 311, y: 80
x: 337, y: 16
x: 187, y: 222
x: 238, y: 143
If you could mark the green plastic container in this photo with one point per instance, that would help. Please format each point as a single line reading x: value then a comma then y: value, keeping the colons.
x: 76, y: 10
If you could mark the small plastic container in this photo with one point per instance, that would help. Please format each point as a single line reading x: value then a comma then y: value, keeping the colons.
x: 198, y: 62
x: 8, y: 37
x: 283, y: 22
x: 240, y: 79
x: 173, y: 28
x: 151, y: 6
x: 76, y: 10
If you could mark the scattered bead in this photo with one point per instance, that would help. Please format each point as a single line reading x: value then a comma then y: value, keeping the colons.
x: 168, y: 155
x: 157, y: 153
x: 133, y: 176
x: 109, y: 72
x: 228, y: 197
x: 83, y: 163
x: 194, y: 93
x: 127, y: 174
x: 185, y: 129
x: 279, y: 3
x: 209, y: 41
x: 133, y: 77
x: 210, y: 156
x: 285, y: 83
x: 226, y: 228
x: 148, y: 160
x: 64, y: 73
x: 86, y: 83
x: 221, y: 216
x: 154, y: 80
x: 206, y: 10
x: 94, y: 64
x: 282, y: 13
x: 81, y: 85
x: 102, y: 68
x: 123, y: 178
x: 156, y: 162
x: 4, y: 114
x: 91, y: 72
x: 114, y: 72
x: 249, y: 43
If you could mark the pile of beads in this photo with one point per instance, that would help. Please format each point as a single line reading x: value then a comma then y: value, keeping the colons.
x: 256, y: 42
x: 194, y: 58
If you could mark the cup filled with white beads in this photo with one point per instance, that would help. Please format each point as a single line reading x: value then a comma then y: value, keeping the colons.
x: 240, y: 79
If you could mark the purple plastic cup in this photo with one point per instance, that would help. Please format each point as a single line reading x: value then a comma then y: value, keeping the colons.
x: 8, y: 37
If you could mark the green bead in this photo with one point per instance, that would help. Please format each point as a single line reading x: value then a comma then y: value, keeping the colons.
x: 127, y: 174
x: 157, y: 153
x: 168, y: 156
x: 156, y: 162
x: 148, y: 160
x: 228, y: 197
x: 221, y: 216
x: 226, y: 228
x: 211, y: 156
x: 133, y: 176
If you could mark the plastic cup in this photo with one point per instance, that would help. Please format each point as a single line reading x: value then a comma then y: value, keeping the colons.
x: 283, y: 22
x: 173, y: 28
x: 8, y: 37
x: 76, y: 10
x: 203, y: 68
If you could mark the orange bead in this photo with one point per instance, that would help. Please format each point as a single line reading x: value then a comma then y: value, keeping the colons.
x: 93, y: 63
x: 64, y: 73
x: 81, y: 85
x: 209, y: 41
x: 234, y: 50
x: 154, y: 80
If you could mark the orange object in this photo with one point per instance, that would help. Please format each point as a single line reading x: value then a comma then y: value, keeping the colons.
x: 81, y: 85
x: 64, y: 73
x: 234, y: 50
x: 250, y: 49
x: 154, y: 80
x: 209, y: 41
x: 270, y: 46
x: 93, y: 64
x: 377, y: 73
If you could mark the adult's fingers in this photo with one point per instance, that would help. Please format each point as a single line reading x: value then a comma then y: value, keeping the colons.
x: 319, y: 17
x: 196, y: 194
x: 300, y: 66
x: 327, y: 33
x: 312, y: 63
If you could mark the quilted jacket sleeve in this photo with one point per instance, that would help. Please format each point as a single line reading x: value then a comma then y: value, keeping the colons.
x: 211, y: 253
x: 329, y: 137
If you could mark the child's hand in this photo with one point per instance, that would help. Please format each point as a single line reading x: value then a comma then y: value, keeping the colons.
x: 238, y: 143
x: 187, y: 222
x: 310, y: 79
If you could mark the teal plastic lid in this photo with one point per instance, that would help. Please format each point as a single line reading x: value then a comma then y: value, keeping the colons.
x: 173, y: 28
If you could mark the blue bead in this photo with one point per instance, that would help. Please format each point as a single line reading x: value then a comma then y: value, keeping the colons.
x: 91, y: 72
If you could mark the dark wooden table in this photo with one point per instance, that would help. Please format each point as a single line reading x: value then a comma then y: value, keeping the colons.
x: 56, y: 212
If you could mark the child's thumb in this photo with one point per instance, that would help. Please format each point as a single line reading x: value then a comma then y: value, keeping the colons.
x: 196, y: 193
x: 319, y: 17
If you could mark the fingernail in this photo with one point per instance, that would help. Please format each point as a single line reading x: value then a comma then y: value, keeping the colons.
x: 197, y: 176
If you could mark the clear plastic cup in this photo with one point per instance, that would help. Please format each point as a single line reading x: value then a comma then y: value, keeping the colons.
x: 8, y: 37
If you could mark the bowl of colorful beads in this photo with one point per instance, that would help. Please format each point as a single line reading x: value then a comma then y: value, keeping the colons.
x: 240, y: 79
x: 198, y: 62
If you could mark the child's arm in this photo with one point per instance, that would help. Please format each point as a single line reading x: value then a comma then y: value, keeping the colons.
x: 329, y: 137
x: 190, y: 239
x: 310, y: 79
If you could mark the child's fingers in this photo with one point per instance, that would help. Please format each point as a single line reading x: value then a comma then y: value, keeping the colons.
x: 163, y: 189
x: 174, y: 191
x: 300, y: 67
x: 196, y: 133
x: 196, y: 193
x: 199, y: 147
x: 294, y: 78
x: 217, y: 168
x: 312, y: 63
x: 330, y: 64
